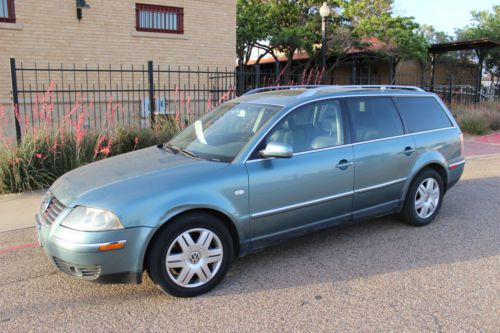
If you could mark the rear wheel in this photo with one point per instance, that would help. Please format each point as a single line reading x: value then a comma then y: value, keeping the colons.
x: 191, y: 255
x: 424, y: 198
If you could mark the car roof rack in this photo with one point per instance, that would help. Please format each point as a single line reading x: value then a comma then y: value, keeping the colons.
x: 291, y: 87
x: 384, y: 87
x: 374, y: 86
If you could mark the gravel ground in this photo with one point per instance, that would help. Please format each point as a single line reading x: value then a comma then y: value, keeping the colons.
x: 378, y: 275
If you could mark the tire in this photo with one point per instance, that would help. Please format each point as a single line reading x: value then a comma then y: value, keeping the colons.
x: 198, y: 250
x: 422, y: 203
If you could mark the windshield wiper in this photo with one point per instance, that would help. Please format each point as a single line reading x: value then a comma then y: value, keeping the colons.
x: 188, y: 152
x: 172, y: 148
x: 176, y: 150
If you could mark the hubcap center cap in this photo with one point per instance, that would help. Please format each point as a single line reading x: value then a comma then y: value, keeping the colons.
x: 194, y: 257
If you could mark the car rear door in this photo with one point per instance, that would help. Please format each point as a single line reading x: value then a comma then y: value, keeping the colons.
x: 383, y: 154
x: 313, y: 189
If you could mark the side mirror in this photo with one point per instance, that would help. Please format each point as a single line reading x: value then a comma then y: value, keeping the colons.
x: 277, y: 149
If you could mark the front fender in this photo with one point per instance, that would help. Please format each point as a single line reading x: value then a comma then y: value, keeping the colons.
x: 171, y: 206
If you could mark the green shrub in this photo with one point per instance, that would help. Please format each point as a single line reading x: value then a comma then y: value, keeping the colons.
x: 493, y: 119
x: 40, y: 159
x: 473, y: 123
x: 478, y: 119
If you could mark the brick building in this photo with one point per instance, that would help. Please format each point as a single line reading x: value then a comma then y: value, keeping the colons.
x: 169, y: 32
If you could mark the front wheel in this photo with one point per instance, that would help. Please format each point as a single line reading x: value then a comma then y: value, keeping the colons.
x: 424, y: 198
x: 191, y: 255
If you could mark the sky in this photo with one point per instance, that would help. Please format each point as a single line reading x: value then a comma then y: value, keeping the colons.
x: 444, y: 15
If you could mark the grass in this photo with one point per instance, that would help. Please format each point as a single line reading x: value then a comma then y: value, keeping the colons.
x: 478, y: 119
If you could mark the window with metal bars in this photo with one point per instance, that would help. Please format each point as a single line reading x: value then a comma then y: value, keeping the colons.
x: 155, y: 18
x: 7, y: 13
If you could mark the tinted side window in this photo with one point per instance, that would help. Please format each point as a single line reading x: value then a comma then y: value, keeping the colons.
x: 373, y: 118
x: 311, y: 127
x: 422, y: 114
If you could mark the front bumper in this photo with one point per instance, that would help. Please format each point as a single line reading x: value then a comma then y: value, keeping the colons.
x: 78, y: 253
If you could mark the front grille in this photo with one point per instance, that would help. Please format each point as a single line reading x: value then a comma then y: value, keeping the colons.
x: 88, y: 272
x: 53, y: 210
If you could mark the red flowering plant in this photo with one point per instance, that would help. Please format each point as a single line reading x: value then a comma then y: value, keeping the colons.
x: 53, y: 144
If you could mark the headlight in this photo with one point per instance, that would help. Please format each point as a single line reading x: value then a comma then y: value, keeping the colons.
x: 91, y: 219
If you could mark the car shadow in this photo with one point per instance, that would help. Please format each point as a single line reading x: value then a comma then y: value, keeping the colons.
x: 467, y: 228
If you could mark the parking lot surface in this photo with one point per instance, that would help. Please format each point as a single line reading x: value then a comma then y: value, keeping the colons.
x: 377, y: 275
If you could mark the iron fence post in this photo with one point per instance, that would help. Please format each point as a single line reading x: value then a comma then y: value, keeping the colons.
x: 277, y: 72
x: 151, y: 92
x: 15, y: 97
x: 450, y: 92
x: 257, y: 76
x: 241, y: 81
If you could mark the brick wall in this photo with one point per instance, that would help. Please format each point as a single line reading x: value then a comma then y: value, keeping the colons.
x: 49, y: 32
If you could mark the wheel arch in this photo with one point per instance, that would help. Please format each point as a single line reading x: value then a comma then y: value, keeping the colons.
x: 435, y: 165
x: 228, y: 222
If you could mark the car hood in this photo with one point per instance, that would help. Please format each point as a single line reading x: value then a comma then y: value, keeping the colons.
x: 134, y: 173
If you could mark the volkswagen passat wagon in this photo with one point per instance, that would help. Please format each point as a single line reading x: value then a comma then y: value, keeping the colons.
x: 268, y: 166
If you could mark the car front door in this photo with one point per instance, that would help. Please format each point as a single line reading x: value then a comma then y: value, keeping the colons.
x: 312, y: 189
x: 383, y: 154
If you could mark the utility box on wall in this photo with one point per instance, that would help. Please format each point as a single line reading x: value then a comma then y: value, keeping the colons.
x: 161, y: 110
x: 161, y: 107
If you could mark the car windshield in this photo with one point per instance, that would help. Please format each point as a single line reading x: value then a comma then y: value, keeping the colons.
x: 221, y: 134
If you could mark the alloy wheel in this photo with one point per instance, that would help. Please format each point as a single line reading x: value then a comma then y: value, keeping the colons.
x: 427, y: 198
x: 194, y: 257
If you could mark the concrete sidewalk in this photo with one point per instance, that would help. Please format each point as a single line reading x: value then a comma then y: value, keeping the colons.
x: 482, y: 145
x: 18, y: 210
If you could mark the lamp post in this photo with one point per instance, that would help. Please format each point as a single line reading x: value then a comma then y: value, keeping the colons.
x: 324, y: 11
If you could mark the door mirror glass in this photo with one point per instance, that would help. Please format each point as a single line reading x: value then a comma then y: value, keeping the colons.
x: 277, y: 149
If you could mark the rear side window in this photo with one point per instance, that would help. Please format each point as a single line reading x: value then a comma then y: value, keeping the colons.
x: 373, y: 118
x: 422, y: 114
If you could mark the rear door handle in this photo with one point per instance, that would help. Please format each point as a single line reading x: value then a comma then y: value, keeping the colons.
x: 408, y: 151
x: 343, y: 164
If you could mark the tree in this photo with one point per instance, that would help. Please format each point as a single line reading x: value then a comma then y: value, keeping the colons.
x: 294, y: 26
x: 374, y: 18
x: 252, y: 27
x: 485, y: 24
x: 290, y: 25
x: 433, y: 36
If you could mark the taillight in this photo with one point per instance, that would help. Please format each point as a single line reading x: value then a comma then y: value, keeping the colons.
x: 462, y: 144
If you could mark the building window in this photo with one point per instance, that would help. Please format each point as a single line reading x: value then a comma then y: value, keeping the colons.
x: 154, y: 18
x: 7, y: 13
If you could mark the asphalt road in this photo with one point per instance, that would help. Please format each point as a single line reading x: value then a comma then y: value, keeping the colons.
x: 378, y: 275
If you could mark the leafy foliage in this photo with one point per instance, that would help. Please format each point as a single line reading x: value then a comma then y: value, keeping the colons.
x: 290, y: 25
x: 485, y: 24
x: 374, y: 18
x: 252, y: 26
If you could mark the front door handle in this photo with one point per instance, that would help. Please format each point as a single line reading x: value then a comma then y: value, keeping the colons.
x: 343, y: 164
x: 408, y: 151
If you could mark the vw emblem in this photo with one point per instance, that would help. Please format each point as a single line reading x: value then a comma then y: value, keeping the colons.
x: 194, y: 257
x: 46, y: 203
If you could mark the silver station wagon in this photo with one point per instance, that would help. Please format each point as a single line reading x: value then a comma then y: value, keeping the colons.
x: 271, y: 165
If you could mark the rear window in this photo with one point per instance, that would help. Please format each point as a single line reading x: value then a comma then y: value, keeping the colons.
x: 422, y: 114
x: 373, y: 118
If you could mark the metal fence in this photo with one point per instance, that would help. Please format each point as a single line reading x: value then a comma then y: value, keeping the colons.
x: 134, y: 96
x: 131, y: 96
